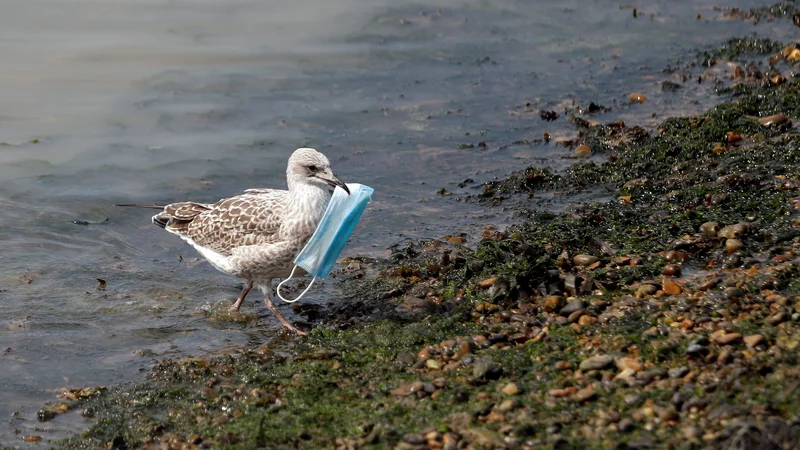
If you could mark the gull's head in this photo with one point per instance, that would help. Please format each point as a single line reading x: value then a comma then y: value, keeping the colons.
x: 308, y: 166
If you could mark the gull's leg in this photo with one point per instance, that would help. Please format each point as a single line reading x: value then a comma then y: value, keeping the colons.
x: 286, y: 323
x: 240, y: 299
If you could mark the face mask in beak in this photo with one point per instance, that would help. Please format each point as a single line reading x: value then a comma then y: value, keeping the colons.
x: 332, y: 181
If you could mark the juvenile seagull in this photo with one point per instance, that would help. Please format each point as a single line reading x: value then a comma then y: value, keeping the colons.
x: 256, y: 235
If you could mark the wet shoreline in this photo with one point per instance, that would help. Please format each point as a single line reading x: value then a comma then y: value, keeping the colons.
x: 667, y: 315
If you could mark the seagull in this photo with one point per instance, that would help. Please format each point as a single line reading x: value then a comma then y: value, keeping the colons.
x: 257, y: 234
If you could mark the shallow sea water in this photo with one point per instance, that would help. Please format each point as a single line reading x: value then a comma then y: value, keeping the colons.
x: 159, y: 101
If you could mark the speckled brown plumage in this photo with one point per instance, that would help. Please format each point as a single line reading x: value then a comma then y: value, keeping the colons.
x: 257, y: 234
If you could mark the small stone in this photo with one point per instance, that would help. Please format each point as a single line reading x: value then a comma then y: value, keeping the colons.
x: 625, y: 425
x: 692, y: 433
x: 632, y: 399
x: 710, y: 228
x: 450, y: 441
x: 696, y: 350
x: 415, y: 387
x: 733, y: 292
x: 583, y: 151
x: 571, y: 307
x: 575, y: 315
x: 414, y: 439
x: 672, y: 270
x: 733, y: 231
x: 553, y: 303
x: 678, y: 372
x: 511, y: 389
x: 670, y: 287
x: 777, y: 318
x: 725, y: 355
x: 487, y: 283
x: 584, y: 260
x: 674, y: 256
x: 559, y: 393
x: 732, y: 245
x: 753, y: 340
x: 775, y: 119
x: 433, y: 436
x: 585, y: 394
x: 486, y: 370
x: 597, y: 362
x: 507, y: 405
x: 637, y: 97
x: 727, y: 338
x: 586, y: 320
x: 625, y: 375
x: 647, y: 290
x: 433, y: 364
x: 563, y: 365
x: 628, y: 363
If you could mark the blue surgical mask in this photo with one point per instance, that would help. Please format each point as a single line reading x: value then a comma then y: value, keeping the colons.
x: 337, y: 224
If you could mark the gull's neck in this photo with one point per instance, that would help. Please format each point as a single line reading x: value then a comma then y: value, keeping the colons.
x: 304, y: 207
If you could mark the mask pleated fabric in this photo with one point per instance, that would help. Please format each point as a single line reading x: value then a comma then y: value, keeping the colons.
x: 337, y: 224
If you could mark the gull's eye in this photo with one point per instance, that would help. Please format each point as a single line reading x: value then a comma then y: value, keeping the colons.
x: 312, y: 168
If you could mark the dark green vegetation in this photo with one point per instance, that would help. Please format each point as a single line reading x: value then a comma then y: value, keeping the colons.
x: 589, y: 329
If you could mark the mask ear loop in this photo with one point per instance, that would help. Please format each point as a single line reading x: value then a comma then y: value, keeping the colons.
x: 301, y: 294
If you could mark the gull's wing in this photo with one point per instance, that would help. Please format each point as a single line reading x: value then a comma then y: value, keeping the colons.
x: 247, y: 219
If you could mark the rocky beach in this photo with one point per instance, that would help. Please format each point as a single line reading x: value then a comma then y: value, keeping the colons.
x: 664, y: 315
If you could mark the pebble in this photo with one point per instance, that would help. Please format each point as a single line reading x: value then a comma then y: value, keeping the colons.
x: 628, y: 363
x: 632, y: 399
x: 696, y: 350
x: 585, y: 394
x: 433, y: 364
x: 670, y: 287
x: 710, y: 228
x: 583, y: 151
x: 485, y: 369
x: 450, y: 441
x: 637, y: 97
x: 733, y: 231
x: 753, y: 340
x: 678, y: 372
x: 511, y: 389
x: 625, y: 375
x: 625, y: 425
x: 584, y: 260
x: 777, y: 318
x: 586, y: 320
x: 487, y: 283
x: 647, y: 289
x: 575, y: 315
x: 563, y: 365
x: 414, y: 439
x: 566, y: 392
x: 553, y: 303
x: 727, y: 338
x: 732, y: 245
x: 775, y: 119
x: 507, y: 405
x: 692, y: 433
x: 597, y: 362
x: 571, y: 307
x: 733, y: 292
x: 672, y: 270
x: 675, y: 256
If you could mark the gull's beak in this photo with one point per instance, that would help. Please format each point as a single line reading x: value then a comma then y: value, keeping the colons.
x: 331, y: 179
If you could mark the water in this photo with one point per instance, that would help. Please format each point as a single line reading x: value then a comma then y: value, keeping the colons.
x: 158, y: 101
